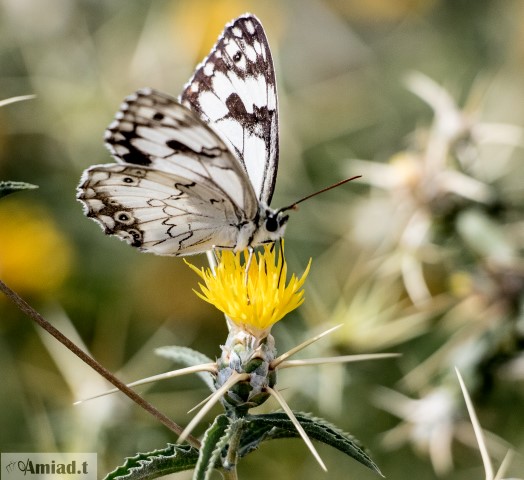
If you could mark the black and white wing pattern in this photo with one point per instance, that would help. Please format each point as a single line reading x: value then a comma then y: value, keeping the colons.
x: 177, y: 189
x: 234, y: 91
x: 199, y: 173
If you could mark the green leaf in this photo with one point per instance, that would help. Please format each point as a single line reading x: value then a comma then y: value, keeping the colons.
x: 259, y: 428
x: 7, y: 187
x: 215, y: 439
x: 189, y: 358
x: 172, y: 459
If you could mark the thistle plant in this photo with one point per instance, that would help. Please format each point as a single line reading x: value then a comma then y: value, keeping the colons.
x: 453, y: 255
x: 253, y: 294
x: 433, y: 249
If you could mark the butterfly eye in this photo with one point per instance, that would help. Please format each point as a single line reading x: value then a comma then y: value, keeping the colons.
x: 271, y: 224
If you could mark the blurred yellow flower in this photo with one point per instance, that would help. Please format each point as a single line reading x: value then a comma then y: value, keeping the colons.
x: 35, y: 257
x: 200, y: 22
x: 257, y: 304
x: 382, y: 10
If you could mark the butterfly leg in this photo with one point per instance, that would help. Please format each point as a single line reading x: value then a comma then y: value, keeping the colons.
x: 248, y: 263
x: 212, y: 258
x: 282, y: 259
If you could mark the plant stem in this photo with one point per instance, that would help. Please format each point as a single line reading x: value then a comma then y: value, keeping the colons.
x: 34, y: 315
x: 230, y: 474
x: 234, y: 442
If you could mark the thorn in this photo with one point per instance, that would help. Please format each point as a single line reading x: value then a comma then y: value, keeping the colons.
x: 297, y: 425
x: 198, y: 405
x: 214, y: 398
x: 505, y: 464
x: 341, y: 359
x: 488, y: 468
x: 20, y: 98
x: 205, y: 367
x: 277, y: 361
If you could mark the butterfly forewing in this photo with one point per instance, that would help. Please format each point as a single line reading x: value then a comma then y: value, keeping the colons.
x: 234, y: 91
x: 153, y: 129
x: 178, y: 190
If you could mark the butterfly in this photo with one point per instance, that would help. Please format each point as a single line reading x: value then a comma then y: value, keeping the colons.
x: 196, y: 173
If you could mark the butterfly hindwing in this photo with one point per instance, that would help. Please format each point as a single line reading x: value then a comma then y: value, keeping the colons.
x: 234, y: 91
x: 158, y: 211
x: 176, y: 190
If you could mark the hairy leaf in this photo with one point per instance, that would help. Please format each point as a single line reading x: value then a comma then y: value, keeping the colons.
x: 215, y: 439
x: 155, y: 464
x: 189, y: 358
x: 272, y: 426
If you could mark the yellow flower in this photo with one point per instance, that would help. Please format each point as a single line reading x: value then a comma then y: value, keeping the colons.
x: 257, y: 304
x: 35, y: 256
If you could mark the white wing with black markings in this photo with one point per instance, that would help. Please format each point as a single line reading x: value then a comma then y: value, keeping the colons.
x: 234, y: 91
x: 198, y: 173
x: 177, y: 189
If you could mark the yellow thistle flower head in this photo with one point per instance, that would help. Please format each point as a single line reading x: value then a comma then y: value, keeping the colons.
x: 255, y: 305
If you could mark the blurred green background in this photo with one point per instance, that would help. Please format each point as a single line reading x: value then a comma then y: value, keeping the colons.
x: 423, y: 256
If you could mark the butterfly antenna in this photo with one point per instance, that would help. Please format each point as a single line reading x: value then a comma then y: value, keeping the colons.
x: 335, y: 185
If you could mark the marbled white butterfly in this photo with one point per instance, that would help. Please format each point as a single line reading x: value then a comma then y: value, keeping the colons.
x: 197, y: 173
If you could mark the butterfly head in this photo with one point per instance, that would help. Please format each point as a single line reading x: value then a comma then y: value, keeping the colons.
x: 271, y: 226
x: 275, y: 222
